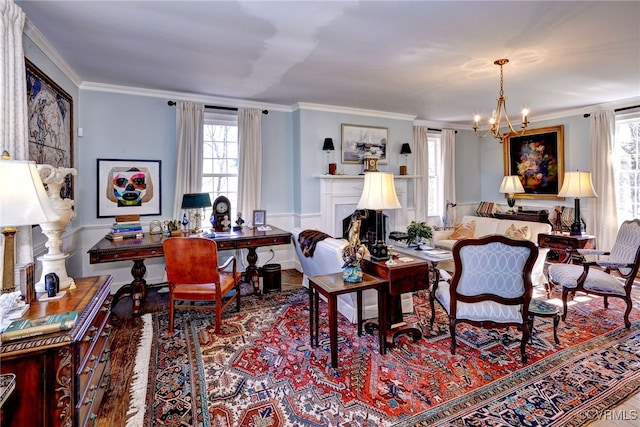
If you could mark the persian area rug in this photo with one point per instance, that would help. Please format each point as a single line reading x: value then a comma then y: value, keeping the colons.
x: 261, y: 370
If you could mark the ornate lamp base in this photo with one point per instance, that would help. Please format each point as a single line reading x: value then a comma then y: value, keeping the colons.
x: 55, y: 264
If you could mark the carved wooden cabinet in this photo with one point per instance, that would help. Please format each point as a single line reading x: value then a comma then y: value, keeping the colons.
x: 61, y: 377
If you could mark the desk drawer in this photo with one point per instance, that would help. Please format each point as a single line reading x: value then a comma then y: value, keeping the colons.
x: 98, y: 329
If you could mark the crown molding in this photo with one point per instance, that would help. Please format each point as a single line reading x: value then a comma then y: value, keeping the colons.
x: 50, y: 52
x: 349, y: 110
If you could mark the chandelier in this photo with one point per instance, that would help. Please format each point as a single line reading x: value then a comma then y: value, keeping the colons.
x: 495, y: 123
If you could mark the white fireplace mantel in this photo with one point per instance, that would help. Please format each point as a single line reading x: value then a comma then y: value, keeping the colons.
x: 340, y: 195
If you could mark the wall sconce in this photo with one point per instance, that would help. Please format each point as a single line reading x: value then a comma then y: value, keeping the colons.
x: 328, y: 147
x: 406, y: 150
x: 510, y: 186
x: 196, y: 201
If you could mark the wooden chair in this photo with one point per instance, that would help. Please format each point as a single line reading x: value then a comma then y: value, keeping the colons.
x: 491, y: 286
x: 595, y: 277
x: 193, y: 274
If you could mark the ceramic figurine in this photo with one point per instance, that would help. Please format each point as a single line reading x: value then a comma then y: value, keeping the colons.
x: 51, y: 284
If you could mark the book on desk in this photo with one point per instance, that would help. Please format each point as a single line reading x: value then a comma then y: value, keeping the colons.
x: 22, y: 328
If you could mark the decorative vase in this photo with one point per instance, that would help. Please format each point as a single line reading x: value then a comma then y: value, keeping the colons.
x: 54, y: 261
x: 352, y: 274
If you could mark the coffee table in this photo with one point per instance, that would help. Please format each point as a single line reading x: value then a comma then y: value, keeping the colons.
x: 330, y: 286
x: 544, y: 309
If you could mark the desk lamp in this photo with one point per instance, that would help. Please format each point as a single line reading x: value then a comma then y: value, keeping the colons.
x: 23, y: 201
x: 196, y: 201
x: 510, y: 186
x: 577, y: 185
x: 379, y: 193
x: 406, y: 150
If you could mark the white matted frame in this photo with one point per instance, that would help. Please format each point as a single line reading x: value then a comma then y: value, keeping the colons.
x: 259, y: 218
x: 128, y: 187
x: 358, y: 141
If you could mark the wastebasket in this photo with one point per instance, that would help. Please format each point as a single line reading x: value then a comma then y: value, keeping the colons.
x: 271, y: 278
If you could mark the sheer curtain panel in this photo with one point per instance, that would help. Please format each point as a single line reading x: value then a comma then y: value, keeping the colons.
x: 189, y: 141
x: 602, y: 218
x: 421, y: 185
x: 250, y: 170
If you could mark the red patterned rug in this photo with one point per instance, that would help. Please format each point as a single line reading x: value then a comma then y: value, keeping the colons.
x: 261, y: 370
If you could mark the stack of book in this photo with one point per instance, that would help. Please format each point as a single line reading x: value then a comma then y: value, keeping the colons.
x: 126, y: 227
x: 23, y: 328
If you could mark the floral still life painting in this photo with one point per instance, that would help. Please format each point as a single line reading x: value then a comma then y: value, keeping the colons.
x: 537, y: 158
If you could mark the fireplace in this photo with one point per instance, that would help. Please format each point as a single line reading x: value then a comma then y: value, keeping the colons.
x: 339, y: 199
x: 367, y: 225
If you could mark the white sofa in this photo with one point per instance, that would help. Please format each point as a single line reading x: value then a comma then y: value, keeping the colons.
x: 327, y: 259
x: 486, y: 226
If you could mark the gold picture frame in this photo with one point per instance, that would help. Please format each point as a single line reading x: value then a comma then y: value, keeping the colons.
x: 537, y: 157
x: 358, y: 141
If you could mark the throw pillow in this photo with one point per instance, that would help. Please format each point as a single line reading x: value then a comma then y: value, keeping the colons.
x: 522, y: 233
x: 463, y: 230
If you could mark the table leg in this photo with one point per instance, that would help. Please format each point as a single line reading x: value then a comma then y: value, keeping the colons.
x: 251, y: 274
x: 333, y: 329
x: 316, y: 306
x: 556, y: 320
x: 137, y: 288
x: 311, y: 314
x: 382, y: 316
x: 359, y: 309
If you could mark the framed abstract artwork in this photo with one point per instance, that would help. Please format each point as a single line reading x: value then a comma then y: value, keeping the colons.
x: 358, y: 141
x: 50, y: 124
x: 537, y: 157
x: 128, y: 187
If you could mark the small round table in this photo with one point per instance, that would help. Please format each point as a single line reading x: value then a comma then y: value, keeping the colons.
x: 544, y: 309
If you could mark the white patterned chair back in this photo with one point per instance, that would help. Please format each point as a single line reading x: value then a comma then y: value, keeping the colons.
x: 493, y: 268
x: 626, y: 246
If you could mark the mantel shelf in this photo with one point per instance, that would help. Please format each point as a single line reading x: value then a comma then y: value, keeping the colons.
x: 327, y: 176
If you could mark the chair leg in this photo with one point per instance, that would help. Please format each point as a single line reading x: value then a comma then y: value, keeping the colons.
x: 171, y: 312
x: 237, y: 295
x: 606, y: 302
x: 218, y: 314
x: 433, y: 310
x: 526, y: 334
x: 629, y: 302
x: 452, y: 330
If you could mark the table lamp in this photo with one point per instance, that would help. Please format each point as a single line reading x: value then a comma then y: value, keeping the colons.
x: 577, y: 185
x: 23, y: 202
x: 406, y: 150
x: 195, y: 202
x: 379, y: 193
x: 328, y: 147
x: 510, y: 186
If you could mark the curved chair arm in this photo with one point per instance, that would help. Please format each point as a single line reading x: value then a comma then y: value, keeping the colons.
x: 225, y: 265
x: 590, y: 251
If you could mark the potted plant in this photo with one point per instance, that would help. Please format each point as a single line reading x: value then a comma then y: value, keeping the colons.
x: 418, y: 232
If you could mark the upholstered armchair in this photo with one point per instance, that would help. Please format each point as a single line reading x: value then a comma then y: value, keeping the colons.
x: 610, y: 277
x: 491, y: 286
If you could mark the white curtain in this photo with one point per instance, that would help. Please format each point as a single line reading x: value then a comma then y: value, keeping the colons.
x: 448, y: 143
x: 421, y: 185
x: 189, y: 140
x: 13, y: 104
x: 602, y: 215
x: 250, y: 170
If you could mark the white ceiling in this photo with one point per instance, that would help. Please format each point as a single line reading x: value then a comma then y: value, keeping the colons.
x: 431, y: 59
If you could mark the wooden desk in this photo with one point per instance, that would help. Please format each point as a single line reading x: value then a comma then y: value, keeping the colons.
x: 330, y: 286
x: 150, y: 246
x: 402, y: 277
x: 560, y: 242
x: 61, y: 377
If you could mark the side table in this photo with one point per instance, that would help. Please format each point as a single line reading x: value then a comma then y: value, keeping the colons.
x: 330, y: 286
x: 544, y: 309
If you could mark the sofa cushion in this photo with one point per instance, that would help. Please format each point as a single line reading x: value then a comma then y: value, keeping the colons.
x: 463, y: 230
x: 518, y: 233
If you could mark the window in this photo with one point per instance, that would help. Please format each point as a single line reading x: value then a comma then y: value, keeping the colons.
x: 436, y: 173
x: 220, y: 157
x: 627, y: 157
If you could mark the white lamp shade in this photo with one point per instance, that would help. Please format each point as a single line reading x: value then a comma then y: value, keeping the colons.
x: 379, y: 192
x: 578, y: 185
x: 23, y: 200
x: 511, y: 185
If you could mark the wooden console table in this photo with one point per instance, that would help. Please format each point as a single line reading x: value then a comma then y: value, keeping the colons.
x: 533, y: 216
x: 560, y: 242
x: 150, y: 246
x: 61, y: 377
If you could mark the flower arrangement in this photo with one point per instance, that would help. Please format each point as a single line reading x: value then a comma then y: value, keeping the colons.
x: 418, y: 231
